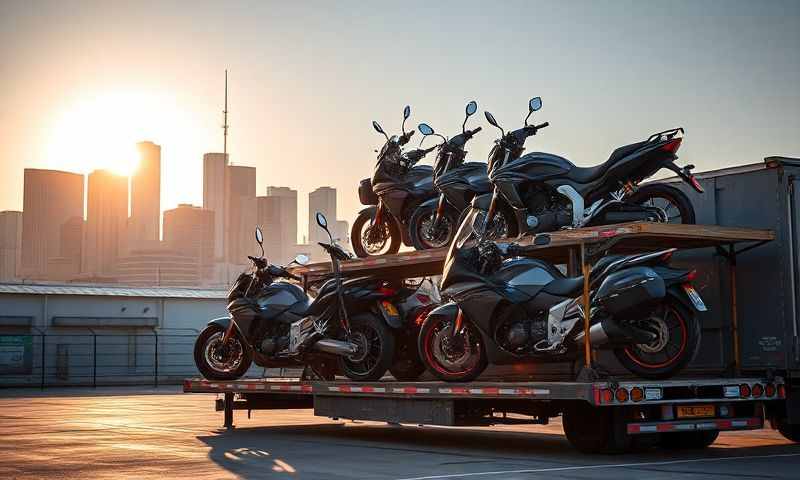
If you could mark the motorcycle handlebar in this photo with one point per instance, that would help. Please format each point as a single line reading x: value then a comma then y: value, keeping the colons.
x: 470, y: 133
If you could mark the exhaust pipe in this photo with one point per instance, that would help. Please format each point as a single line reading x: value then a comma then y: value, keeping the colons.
x: 336, y: 347
x: 597, y: 335
x: 610, y: 331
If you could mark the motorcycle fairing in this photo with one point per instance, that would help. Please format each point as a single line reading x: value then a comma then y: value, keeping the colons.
x: 459, y: 185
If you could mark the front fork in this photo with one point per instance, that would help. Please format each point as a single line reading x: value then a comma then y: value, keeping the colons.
x: 439, y: 211
x: 228, y: 332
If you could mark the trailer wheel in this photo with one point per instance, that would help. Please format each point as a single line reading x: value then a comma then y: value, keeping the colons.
x: 688, y: 440
x: 790, y: 431
x: 594, y: 429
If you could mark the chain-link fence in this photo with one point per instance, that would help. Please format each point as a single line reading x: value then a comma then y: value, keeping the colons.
x: 94, y: 358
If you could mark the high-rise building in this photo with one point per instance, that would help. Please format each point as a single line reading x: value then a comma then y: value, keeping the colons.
x: 50, y: 199
x: 190, y: 230
x: 241, y: 213
x: 106, y: 216
x: 67, y: 266
x: 214, y: 167
x: 158, y: 267
x: 277, y: 216
x: 145, y: 221
x: 10, y: 242
x: 321, y: 200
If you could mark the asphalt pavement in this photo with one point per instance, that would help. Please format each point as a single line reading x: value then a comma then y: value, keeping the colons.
x: 143, y: 434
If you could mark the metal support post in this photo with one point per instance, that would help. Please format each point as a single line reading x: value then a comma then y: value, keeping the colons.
x: 737, y: 363
x: 228, y: 409
x: 587, y: 344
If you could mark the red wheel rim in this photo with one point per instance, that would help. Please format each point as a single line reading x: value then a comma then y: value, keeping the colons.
x: 433, y: 362
x: 684, y: 340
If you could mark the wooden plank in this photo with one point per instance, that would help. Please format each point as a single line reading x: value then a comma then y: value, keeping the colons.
x: 632, y: 237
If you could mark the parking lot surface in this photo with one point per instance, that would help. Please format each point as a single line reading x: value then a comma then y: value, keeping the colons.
x: 142, y: 434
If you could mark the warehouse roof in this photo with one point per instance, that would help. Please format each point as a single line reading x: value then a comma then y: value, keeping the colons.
x: 111, y: 291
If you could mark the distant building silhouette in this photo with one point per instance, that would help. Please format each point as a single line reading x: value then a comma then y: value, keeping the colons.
x: 190, y: 230
x: 240, y: 215
x: 67, y: 266
x: 323, y: 200
x: 50, y: 199
x: 107, y: 213
x: 277, y: 216
x: 145, y: 221
x: 158, y: 267
x: 214, y: 166
x: 10, y: 244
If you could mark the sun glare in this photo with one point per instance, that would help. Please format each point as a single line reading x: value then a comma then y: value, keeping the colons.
x: 101, y: 132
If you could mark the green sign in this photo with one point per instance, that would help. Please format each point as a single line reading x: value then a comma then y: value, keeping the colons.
x: 16, y: 354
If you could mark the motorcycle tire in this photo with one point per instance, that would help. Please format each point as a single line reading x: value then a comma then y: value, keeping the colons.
x: 676, y: 200
x: 203, y: 362
x: 417, y: 226
x: 358, y: 231
x: 686, y: 325
x: 508, y: 216
x: 432, y: 333
x: 371, y: 333
x: 407, y: 366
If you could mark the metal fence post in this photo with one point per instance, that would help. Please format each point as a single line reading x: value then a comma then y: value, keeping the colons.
x: 94, y: 359
x: 155, y: 364
x: 43, y: 358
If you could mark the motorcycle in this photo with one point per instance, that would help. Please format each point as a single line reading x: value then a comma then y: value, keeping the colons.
x: 276, y: 324
x: 398, y: 186
x: 541, y: 192
x: 505, y: 308
x: 434, y: 223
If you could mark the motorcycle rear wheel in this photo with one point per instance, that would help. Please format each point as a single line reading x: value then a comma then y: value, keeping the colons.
x: 376, y: 349
x: 678, y: 340
x: 674, y: 202
x: 388, y: 241
x: 218, y: 362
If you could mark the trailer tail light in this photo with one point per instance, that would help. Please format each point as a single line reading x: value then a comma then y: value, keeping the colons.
x: 744, y: 390
x: 769, y: 390
x: 758, y: 390
x: 672, y: 146
x: 607, y: 396
x: 637, y: 394
x: 621, y: 395
x: 781, y: 391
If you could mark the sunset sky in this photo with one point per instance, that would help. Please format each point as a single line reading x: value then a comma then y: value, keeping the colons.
x: 81, y: 82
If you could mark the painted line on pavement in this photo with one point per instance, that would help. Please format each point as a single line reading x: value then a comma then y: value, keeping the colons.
x: 588, y: 467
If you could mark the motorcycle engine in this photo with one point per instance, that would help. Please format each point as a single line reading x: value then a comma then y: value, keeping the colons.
x: 519, y: 337
x: 547, y: 211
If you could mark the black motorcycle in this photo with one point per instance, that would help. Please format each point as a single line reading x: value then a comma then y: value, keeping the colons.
x: 397, y: 187
x: 434, y: 223
x: 275, y: 324
x: 541, y: 192
x: 505, y: 308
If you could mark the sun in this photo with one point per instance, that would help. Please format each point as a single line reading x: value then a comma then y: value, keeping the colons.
x: 101, y: 132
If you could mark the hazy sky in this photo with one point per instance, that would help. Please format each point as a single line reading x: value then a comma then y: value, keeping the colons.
x: 306, y: 79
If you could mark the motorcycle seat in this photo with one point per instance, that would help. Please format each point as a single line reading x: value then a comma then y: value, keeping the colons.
x: 564, y: 287
x: 589, y: 174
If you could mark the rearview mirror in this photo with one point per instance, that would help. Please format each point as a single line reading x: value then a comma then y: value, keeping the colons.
x: 301, y: 259
x: 406, y: 112
x: 472, y: 107
x: 491, y: 120
x: 425, y: 129
x: 535, y: 104
x: 322, y: 221
x: 377, y: 127
x: 259, y: 236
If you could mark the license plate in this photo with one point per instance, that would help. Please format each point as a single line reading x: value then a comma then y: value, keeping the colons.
x: 695, y: 411
x: 694, y: 297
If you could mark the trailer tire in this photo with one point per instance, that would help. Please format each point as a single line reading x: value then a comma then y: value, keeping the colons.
x: 595, y: 429
x: 788, y: 430
x: 688, y: 440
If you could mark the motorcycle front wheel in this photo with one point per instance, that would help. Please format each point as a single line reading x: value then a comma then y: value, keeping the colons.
x: 673, y: 202
x: 374, y: 240
x: 677, y: 340
x: 449, y: 356
x: 425, y: 235
x: 221, y: 362
x: 375, y: 349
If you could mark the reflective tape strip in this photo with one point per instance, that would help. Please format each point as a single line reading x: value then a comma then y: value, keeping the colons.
x: 722, y: 424
x: 411, y: 390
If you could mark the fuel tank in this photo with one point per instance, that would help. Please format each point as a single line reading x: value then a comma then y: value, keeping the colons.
x: 525, y: 277
x: 533, y: 167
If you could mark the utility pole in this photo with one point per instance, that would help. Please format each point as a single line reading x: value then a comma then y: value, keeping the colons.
x: 225, y: 120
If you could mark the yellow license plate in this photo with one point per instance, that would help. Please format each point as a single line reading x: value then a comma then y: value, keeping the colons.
x: 390, y: 309
x: 695, y: 411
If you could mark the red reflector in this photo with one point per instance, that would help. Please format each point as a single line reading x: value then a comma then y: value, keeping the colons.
x: 758, y: 390
x: 769, y: 390
x: 637, y: 394
x: 608, y: 396
x: 696, y: 184
x: 744, y: 390
x: 691, y: 276
x: 622, y: 395
x: 672, y: 146
x: 782, y: 391
x: 386, y: 291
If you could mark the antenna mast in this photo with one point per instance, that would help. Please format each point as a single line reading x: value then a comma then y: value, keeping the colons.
x: 225, y: 120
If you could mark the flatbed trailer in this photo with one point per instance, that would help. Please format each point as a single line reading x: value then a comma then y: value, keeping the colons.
x: 600, y: 416
x: 601, y: 412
